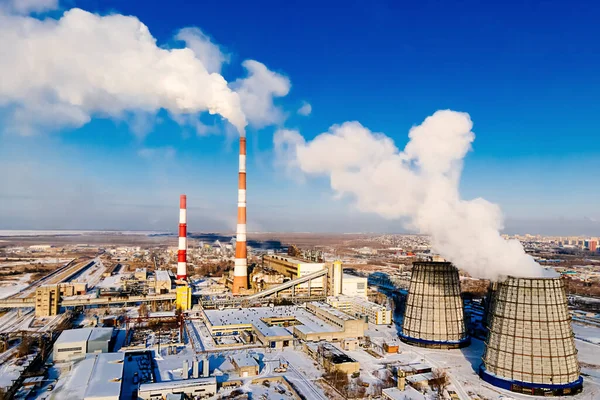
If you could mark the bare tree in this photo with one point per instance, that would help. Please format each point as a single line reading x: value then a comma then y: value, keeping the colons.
x: 439, y: 382
x: 143, y: 310
x: 25, y: 346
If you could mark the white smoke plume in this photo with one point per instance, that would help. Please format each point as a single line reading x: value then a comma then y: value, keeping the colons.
x: 61, y: 73
x: 257, y: 91
x: 418, y: 185
x: 208, y: 52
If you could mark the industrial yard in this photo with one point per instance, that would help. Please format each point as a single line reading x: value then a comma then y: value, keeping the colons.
x: 295, y: 333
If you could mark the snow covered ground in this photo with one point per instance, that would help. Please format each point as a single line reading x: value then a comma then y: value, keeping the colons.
x: 10, y: 287
x: 93, y: 275
x: 587, y: 333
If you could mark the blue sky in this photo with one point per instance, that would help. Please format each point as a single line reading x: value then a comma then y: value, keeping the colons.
x: 526, y: 72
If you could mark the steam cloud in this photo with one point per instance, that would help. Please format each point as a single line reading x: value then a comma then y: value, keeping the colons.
x: 61, y: 73
x: 418, y: 184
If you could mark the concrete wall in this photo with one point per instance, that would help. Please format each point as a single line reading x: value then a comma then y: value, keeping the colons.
x: 68, y: 351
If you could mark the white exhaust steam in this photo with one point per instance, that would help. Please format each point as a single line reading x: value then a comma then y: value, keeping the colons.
x: 62, y: 72
x: 418, y: 185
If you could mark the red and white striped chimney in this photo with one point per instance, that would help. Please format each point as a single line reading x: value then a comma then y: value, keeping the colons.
x: 240, y: 273
x: 182, y: 252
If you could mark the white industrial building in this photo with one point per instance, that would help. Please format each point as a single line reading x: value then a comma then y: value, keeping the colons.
x: 76, y: 343
x: 192, y: 388
x: 359, y: 307
x: 353, y: 285
x: 96, y: 377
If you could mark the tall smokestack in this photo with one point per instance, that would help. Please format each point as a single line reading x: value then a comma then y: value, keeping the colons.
x: 240, y: 273
x: 182, y: 252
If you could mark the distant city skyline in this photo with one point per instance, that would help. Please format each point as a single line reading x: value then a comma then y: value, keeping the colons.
x: 529, y: 91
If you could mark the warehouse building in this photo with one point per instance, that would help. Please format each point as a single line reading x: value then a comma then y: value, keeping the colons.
x: 361, y: 308
x: 190, y: 388
x: 75, y: 343
x: 96, y: 377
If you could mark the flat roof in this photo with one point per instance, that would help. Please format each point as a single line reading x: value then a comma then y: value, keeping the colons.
x: 74, y: 335
x: 359, y: 301
x: 106, y: 375
x: 101, y: 334
x: 420, y: 377
x: 292, y: 260
x: 350, y: 277
x: 331, y: 310
x: 254, y: 316
x: 162, y: 275
x: 244, y: 360
x: 146, y: 387
x: 95, y: 376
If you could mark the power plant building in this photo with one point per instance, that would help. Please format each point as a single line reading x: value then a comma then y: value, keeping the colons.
x: 359, y: 307
x: 75, y: 343
x: 530, y: 346
x: 294, y: 268
x: 434, y: 315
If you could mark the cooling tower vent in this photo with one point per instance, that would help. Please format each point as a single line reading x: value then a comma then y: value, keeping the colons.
x: 530, y: 346
x: 434, y: 315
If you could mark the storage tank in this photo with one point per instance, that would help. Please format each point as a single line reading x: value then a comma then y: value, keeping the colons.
x: 530, y: 346
x: 434, y: 315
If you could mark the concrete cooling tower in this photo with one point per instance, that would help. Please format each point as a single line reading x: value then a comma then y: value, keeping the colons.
x: 434, y: 315
x: 530, y: 346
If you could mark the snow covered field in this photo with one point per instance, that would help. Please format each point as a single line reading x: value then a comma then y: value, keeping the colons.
x: 10, y: 287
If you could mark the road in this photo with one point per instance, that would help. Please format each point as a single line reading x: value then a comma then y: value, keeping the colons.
x: 301, y: 383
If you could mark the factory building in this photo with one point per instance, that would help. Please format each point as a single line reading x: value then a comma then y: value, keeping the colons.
x: 245, y: 365
x: 47, y: 297
x: 96, y: 377
x: 353, y: 285
x: 75, y: 343
x: 162, y: 281
x: 347, y: 326
x: 190, y: 388
x: 183, y: 299
x: 434, y: 315
x: 141, y: 274
x: 332, y: 358
x: 361, y: 308
x: 277, y: 327
x: 294, y: 268
x: 530, y: 346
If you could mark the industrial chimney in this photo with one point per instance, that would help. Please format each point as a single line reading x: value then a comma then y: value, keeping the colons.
x: 530, y: 346
x: 240, y: 273
x: 434, y: 315
x: 182, y: 252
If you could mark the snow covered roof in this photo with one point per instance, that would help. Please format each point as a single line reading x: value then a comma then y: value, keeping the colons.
x: 97, y: 376
x: 101, y: 334
x: 393, y: 394
x: 254, y: 316
x: 106, y: 375
x: 168, y: 385
x: 244, y: 360
x: 74, y: 335
x: 162, y: 275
